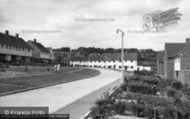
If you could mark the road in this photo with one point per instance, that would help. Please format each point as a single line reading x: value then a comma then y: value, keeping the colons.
x: 81, y: 107
x: 59, y: 96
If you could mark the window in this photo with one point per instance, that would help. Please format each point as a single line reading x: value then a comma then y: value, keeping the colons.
x: 177, y: 73
x: 114, y: 66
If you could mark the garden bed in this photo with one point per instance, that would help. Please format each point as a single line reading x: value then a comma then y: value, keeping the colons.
x: 145, y: 95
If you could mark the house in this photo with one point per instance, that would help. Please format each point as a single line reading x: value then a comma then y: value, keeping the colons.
x: 182, y: 64
x: 170, y: 51
x: 14, y: 49
x: 109, y: 60
x: 160, y: 63
x: 39, y: 52
x: 174, y: 61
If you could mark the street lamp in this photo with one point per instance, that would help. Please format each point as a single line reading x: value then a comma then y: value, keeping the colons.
x: 122, y: 53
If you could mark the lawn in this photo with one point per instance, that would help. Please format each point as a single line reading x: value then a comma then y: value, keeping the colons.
x: 32, y: 82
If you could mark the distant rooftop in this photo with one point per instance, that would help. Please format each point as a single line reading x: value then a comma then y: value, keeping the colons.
x: 15, y: 41
x: 39, y: 46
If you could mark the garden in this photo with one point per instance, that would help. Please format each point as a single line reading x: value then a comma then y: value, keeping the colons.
x: 145, y: 95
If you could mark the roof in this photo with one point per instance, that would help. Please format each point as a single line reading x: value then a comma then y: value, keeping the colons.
x: 39, y: 46
x: 173, y: 48
x: 13, y: 41
x: 183, y: 49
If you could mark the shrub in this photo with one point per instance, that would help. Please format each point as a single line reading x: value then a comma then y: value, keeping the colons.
x: 2, y: 68
x: 177, y: 85
x: 137, y: 87
x: 144, y: 72
x: 171, y: 92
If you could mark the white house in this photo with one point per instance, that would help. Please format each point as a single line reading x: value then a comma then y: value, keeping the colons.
x: 111, y: 61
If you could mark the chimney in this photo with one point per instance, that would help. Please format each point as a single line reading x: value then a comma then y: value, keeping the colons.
x: 187, y: 40
x: 35, y: 40
x: 7, y: 32
x: 17, y: 35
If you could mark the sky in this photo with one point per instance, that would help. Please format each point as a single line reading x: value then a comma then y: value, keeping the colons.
x: 91, y: 23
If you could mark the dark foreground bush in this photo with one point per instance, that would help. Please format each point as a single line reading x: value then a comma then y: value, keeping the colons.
x: 2, y: 68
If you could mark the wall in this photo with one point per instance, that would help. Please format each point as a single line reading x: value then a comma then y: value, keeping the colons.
x: 165, y: 64
x: 12, y: 51
x: 177, y: 64
x: 160, y: 68
x: 170, y: 69
x: 45, y: 55
x: 185, y: 59
x: 131, y: 65
x: 35, y: 51
x: 184, y: 76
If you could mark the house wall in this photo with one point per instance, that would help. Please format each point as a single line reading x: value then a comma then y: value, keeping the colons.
x: 160, y: 67
x: 168, y: 66
x: 44, y: 55
x: 185, y: 59
x: 184, y: 76
x: 165, y: 64
x: 10, y: 50
x: 129, y: 65
x: 177, y: 64
x: 35, y: 51
x: 170, y: 69
x: 182, y: 67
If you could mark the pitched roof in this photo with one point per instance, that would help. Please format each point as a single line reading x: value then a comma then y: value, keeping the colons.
x: 173, y: 48
x: 13, y: 41
x: 183, y: 49
x: 40, y: 46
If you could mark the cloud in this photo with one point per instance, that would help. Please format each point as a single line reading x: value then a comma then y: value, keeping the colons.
x: 61, y: 15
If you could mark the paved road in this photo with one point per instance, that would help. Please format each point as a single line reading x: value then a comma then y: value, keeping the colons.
x: 81, y: 107
x: 59, y: 96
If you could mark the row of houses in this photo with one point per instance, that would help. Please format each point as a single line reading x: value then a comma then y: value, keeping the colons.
x: 174, y: 61
x: 13, y: 49
x: 112, y: 61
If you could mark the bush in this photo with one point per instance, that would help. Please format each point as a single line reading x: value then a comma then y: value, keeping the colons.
x: 144, y: 72
x: 177, y: 85
x: 137, y: 87
x: 2, y: 68
x: 171, y: 92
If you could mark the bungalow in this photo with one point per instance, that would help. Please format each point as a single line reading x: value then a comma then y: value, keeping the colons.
x: 14, y: 49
